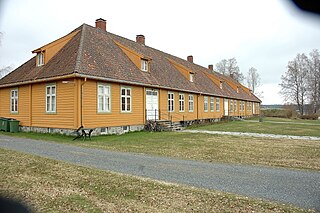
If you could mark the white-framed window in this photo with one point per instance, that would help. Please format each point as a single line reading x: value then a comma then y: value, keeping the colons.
x: 14, y: 101
x: 250, y: 106
x: 181, y: 102
x: 191, y: 76
x: 170, y: 101
x: 104, y: 98
x: 40, y: 59
x: 205, y: 103
x: 191, y: 103
x: 220, y: 85
x: 235, y: 105
x: 218, y: 104
x: 144, y: 65
x: 125, y: 99
x: 231, y: 105
x: 51, y: 97
x: 211, y: 104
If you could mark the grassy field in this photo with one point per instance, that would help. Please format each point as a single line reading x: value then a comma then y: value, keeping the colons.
x: 52, y: 186
x: 269, y: 126
x: 274, y: 119
x: 303, y: 154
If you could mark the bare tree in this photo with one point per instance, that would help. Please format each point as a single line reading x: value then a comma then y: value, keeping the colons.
x: 5, y: 71
x: 314, y: 79
x: 229, y: 67
x: 253, y: 79
x: 253, y: 82
x: 294, y: 82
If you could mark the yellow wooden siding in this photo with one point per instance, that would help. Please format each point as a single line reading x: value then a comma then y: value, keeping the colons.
x: 64, y: 116
x: 91, y: 117
x: 198, y: 112
x: 23, y: 104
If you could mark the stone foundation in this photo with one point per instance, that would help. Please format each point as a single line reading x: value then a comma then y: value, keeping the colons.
x: 97, y: 131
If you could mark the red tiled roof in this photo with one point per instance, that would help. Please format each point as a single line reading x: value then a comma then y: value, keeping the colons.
x: 94, y: 53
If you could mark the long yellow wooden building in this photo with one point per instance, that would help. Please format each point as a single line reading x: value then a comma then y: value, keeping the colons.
x: 96, y: 79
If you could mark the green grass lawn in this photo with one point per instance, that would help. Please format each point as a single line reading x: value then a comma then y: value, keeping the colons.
x: 303, y: 154
x: 274, y: 119
x: 53, y: 186
x: 269, y: 126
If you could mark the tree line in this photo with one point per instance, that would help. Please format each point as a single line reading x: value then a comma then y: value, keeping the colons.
x: 300, y: 84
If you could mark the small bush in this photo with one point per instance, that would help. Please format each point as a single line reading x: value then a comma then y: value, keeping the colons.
x: 279, y: 113
x: 309, y: 117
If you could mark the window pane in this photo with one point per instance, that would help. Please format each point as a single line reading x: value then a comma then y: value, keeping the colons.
x: 100, y: 103
x: 128, y: 104
x: 53, y: 90
x: 48, y: 103
x: 123, y: 92
x: 128, y: 92
x: 53, y: 103
x: 48, y: 90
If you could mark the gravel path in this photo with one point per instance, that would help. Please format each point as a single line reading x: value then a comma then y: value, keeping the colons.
x: 248, y: 134
x: 298, y: 187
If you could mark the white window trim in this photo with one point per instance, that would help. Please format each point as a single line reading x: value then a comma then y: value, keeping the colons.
x: 235, y: 105
x: 169, y: 110
x: 104, y: 98
x: 218, y: 104
x: 181, y: 101
x: 126, y: 96
x: 50, y: 98
x: 191, y: 102
x: 144, y: 65
x: 16, y: 100
x: 231, y: 105
x: 191, y: 77
x: 40, y: 56
x: 205, y: 103
x: 211, y: 104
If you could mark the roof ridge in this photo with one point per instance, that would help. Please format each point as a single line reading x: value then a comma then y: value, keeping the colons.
x: 79, y: 55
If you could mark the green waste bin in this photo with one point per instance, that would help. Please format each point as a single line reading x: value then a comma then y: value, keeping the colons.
x: 4, y: 125
x: 14, y: 125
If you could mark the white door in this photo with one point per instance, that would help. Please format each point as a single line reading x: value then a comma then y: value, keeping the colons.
x: 152, y: 104
x: 253, y: 108
x: 226, y: 107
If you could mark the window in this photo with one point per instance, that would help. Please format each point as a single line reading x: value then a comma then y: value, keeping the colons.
x: 191, y: 106
x: 125, y: 99
x: 218, y: 104
x: 181, y: 102
x: 14, y: 101
x: 51, y: 98
x: 170, y: 102
x: 103, y: 98
x: 235, y: 105
x: 205, y: 103
x: 191, y: 77
x: 211, y: 104
x: 231, y: 105
x: 40, y: 59
x: 144, y: 65
x: 220, y: 85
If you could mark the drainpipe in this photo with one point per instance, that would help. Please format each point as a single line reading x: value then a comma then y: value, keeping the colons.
x: 81, y: 100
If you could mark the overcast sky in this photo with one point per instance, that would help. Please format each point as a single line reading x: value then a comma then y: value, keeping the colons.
x: 264, y: 34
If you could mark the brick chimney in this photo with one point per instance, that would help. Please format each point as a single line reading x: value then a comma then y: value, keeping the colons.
x: 190, y: 58
x: 140, y: 39
x: 101, y: 23
x: 210, y: 67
